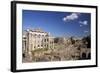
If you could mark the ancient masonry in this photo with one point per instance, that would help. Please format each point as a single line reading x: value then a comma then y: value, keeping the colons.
x: 36, y: 39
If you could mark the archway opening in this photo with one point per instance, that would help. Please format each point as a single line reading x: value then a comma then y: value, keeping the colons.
x: 83, y: 55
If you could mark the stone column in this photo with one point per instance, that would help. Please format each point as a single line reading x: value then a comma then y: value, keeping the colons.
x: 29, y: 46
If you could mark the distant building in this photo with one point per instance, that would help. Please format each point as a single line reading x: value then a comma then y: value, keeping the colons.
x: 37, y: 39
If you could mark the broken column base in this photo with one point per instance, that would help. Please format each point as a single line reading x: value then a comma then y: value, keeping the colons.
x: 30, y: 55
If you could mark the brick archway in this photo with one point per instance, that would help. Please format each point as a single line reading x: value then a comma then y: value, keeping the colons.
x: 85, y: 53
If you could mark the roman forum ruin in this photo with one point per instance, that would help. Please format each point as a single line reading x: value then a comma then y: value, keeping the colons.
x: 41, y: 46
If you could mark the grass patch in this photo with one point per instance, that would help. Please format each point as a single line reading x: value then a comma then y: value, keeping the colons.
x: 40, y: 50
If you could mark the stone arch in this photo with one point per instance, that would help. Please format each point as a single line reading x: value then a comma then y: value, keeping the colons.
x: 83, y: 55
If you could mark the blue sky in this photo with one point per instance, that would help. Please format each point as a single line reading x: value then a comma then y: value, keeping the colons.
x: 59, y: 24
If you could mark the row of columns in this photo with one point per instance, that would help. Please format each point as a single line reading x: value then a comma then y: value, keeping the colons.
x: 32, y: 42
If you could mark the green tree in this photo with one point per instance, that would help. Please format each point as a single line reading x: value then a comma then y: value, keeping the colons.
x: 56, y: 40
x: 72, y: 40
x: 87, y: 40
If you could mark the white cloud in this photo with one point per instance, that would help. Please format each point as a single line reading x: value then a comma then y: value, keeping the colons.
x: 86, y: 31
x: 83, y: 22
x: 81, y: 25
x: 72, y: 16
